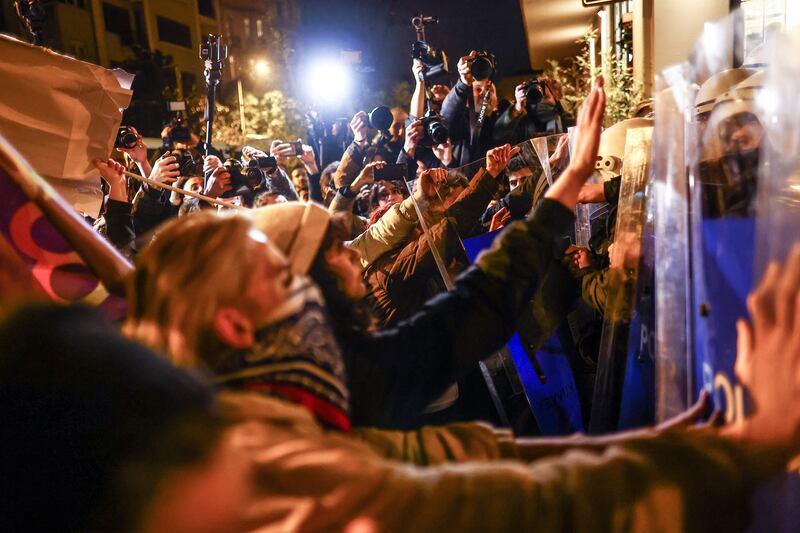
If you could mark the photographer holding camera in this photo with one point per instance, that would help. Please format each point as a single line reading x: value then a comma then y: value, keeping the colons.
x: 536, y: 110
x: 462, y: 108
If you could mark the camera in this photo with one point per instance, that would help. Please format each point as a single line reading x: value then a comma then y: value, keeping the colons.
x: 534, y: 91
x: 243, y: 178
x: 179, y: 132
x: 265, y: 165
x: 483, y: 66
x: 126, y: 138
x: 186, y: 163
x: 434, y: 60
x: 380, y: 118
x: 436, y: 131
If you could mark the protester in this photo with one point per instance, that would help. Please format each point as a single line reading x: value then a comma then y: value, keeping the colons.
x: 127, y: 423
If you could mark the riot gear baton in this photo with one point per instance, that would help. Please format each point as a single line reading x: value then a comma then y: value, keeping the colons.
x: 214, y: 53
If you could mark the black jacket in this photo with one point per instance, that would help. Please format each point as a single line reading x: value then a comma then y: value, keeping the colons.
x: 462, y: 122
x: 393, y: 374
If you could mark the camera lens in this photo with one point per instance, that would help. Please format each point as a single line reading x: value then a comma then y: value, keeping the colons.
x: 126, y: 138
x: 482, y: 67
x: 381, y: 118
x: 534, y: 93
x: 437, y: 132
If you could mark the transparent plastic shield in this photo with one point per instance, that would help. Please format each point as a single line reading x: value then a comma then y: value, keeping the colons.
x: 620, y: 281
x: 552, y: 153
x: 722, y: 144
x: 777, y: 231
x: 673, y: 113
x: 586, y: 215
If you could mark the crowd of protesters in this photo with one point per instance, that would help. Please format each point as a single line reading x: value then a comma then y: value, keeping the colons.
x: 307, y: 358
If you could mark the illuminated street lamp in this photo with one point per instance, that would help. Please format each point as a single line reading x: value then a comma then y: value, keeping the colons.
x: 261, y: 68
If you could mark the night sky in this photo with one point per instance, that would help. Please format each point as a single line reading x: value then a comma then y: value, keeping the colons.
x: 381, y: 29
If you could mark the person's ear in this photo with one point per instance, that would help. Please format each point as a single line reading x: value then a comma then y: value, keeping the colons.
x: 234, y: 328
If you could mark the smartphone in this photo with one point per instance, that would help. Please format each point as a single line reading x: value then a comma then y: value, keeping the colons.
x: 298, y: 147
x: 392, y: 172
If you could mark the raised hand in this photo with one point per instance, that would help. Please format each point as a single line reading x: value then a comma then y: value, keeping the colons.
x: 500, y: 219
x: 280, y: 150
x: 567, y: 187
x: 309, y: 160
x: 360, y: 125
x: 366, y: 176
x: 429, y: 183
x: 211, y: 162
x: 218, y: 183
x: 112, y: 174
x: 521, y: 99
x: 465, y: 68
x: 414, y: 133
x: 418, y: 68
x: 497, y: 158
x: 166, y: 169
x: 768, y: 357
x: 589, y: 126
x: 139, y: 152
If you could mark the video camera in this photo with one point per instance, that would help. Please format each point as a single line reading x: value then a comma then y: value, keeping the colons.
x: 179, y: 131
x: 434, y: 60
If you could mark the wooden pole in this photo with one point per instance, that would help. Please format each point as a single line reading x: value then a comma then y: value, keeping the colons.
x: 154, y: 183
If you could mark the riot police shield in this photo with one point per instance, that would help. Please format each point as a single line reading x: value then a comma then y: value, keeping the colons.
x: 670, y: 196
x: 722, y: 145
x: 618, y: 282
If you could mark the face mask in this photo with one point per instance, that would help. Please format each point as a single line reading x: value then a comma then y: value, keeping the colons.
x: 295, y: 356
x: 741, y: 171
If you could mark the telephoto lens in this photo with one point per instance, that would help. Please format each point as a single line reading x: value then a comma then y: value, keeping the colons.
x: 483, y: 66
x: 126, y: 138
x: 436, y: 131
x: 534, y: 92
x: 380, y: 118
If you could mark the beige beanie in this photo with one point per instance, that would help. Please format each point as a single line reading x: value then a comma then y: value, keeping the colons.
x: 296, y: 229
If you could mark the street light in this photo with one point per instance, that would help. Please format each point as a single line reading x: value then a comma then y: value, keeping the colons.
x: 261, y: 68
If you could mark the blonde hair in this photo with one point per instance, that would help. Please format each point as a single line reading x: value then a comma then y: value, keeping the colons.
x: 194, y: 266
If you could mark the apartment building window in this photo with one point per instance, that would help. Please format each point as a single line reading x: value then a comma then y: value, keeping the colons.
x: 174, y: 32
x: 118, y: 21
x: 246, y: 27
x: 206, y: 8
x: 259, y: 28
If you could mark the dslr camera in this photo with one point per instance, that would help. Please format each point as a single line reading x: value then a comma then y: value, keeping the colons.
x: 535, y: 90
x: 126, y: 138
x: 483, y: 66
x: 186, y: 162
x: 436, y: 131
x: 248, y: 177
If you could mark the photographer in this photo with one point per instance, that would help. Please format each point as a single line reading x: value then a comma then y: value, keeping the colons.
x: 461, y: 108
x: 527, y: 117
